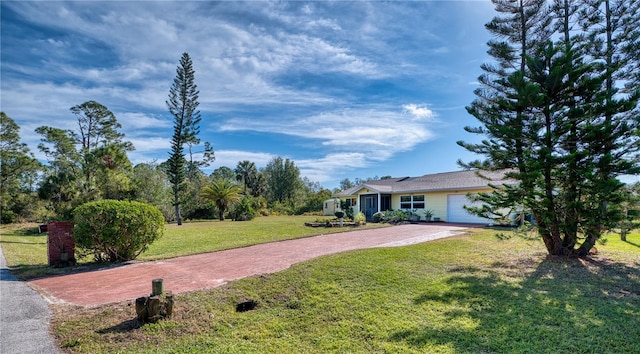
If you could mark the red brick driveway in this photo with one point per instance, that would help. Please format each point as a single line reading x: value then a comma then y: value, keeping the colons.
x: 209, y: 270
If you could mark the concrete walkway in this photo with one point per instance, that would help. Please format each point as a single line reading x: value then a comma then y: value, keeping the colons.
x: 210, y: 270
x: 24, y: 317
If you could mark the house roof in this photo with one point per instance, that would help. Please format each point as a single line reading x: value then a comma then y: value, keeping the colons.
x: 459, y: 180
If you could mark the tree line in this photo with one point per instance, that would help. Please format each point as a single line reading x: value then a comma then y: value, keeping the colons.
x: 76, y: 173
x: 91, y: 163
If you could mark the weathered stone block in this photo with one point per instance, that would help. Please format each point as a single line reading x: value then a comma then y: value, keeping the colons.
x: 157, y: 306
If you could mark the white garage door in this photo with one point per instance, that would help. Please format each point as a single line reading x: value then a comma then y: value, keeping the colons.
x: 457, y: 213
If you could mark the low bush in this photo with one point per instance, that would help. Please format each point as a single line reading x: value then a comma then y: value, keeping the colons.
x: 391, y: 216
x: 8, y: 217
x: 244, y: 210
x: 282, y: 208
x: 346, y: 206
x: 116, y: 231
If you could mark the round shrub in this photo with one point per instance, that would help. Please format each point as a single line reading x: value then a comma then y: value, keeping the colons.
x: 378, y: 217
x: 116, y: 231
x: 8, y: 217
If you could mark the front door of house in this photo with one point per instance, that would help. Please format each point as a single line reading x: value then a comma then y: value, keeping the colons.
x: 370, y: 206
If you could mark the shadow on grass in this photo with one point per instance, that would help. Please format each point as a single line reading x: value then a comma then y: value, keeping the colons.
x: 25, y: 243
x: 123, y: 327
x: 632, y: 243
x: 541, y: 304
x: 39, y: 271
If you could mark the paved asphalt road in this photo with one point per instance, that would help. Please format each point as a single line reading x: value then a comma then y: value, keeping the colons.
x: 24, y: 317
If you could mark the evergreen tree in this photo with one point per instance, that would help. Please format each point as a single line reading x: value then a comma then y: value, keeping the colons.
x: 17, y: 167
x: 223, y: 172
x: 150, y: 185
x: 97, y: 168
x: 97, y: 128
x: 563, y: 132
x: 613, y: 31
x: 283, y: 180
x: 61, y: 181
x: 113, y: 172
x: 506, y: 120
x: 183, y: 105
x: 346, y: 184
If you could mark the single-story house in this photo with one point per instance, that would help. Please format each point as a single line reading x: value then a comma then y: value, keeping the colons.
x: 443, y: 193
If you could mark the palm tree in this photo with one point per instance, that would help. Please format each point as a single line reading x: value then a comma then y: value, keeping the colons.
x: 223, y: 193
x: 245, y: 172
x: 258, y: 184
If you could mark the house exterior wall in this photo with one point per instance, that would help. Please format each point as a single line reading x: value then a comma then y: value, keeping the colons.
x: 436, y: 201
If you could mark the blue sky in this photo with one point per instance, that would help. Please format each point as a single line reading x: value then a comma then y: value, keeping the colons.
x: 344, y: 89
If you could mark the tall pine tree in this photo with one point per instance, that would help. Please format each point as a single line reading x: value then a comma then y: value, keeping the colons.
x: 613, y: 31
x: 183, y: 105
x: 506, y: 119
x: 558, y: 122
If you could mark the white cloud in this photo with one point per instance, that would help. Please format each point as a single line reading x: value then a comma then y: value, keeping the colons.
x: 133, y: 121
x: 254, y: 60
x: 378, y: 133
x: 154, y: 145
x: 421, y: 112
x: 325, y: 168
x: 230, y: 158
x: 240, y: 58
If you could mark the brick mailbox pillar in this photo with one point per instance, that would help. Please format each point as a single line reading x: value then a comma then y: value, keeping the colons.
x: 60, y: 245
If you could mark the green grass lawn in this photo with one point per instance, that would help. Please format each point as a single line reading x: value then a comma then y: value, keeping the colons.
x: 26, y: 250
x: 467, y: 294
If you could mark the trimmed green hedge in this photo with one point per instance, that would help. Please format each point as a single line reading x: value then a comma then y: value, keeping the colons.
x: 116, y: 231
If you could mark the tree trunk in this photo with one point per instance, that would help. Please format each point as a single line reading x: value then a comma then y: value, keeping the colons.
x: 589, y: 242
x: 178, y: 217
x: 553, y: 241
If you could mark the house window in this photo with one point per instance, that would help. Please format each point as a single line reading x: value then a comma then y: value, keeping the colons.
x: 412, y: 202
x: 405, y: 202
x: 418, y: 202
x: 385, y: 203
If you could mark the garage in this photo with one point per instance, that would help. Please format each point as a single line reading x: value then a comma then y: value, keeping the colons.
x: 457, y: 213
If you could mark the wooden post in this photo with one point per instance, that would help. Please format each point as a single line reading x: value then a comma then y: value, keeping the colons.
x: 153, y: 309
x: 169, y: 304
x: 156, y: 287
x: 159, y: 305
x: 141, y: 308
